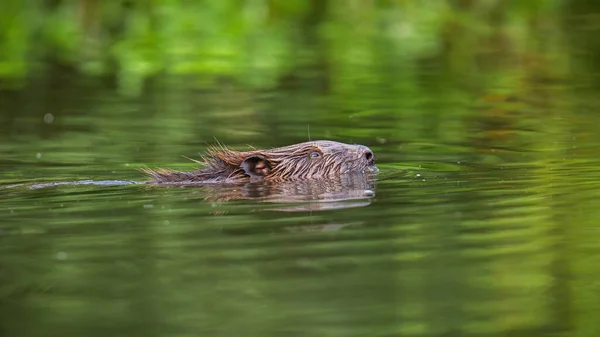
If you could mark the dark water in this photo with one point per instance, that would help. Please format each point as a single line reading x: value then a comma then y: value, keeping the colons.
x: 483, y: 220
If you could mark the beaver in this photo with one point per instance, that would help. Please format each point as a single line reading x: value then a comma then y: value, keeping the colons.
x: 304, y: 161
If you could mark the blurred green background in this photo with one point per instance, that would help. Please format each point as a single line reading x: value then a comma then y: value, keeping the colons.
x: 260, y: 43
x: 360, y: 70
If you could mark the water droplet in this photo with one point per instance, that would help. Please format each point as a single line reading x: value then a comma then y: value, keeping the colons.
x: 48, y: 118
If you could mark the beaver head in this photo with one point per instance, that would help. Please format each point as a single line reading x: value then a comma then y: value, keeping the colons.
x: 309, y: 160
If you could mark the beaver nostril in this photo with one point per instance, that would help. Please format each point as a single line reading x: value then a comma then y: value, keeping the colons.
x: 369, y: 156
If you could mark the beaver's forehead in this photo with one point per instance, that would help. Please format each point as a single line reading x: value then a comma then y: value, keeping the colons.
x: 324, y: 145
x: 331, y: 145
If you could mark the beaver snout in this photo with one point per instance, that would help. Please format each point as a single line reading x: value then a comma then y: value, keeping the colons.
x: 369, y: 156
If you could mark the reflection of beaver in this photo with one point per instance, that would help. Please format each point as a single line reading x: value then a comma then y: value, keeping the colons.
x: 310, y: 160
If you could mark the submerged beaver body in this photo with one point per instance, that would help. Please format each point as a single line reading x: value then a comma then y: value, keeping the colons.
x: 304, y: 161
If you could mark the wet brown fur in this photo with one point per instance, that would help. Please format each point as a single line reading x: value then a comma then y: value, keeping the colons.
x: 309, y: 160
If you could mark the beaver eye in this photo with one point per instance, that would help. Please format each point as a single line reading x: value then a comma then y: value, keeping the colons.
x: 315, y: 155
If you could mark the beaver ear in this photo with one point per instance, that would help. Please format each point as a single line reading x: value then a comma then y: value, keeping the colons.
x: 256, y: 166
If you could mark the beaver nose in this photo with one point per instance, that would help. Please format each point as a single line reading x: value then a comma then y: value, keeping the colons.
x: 369, y: 156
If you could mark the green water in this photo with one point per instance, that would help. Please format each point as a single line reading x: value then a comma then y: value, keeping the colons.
x: 483, y: 219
